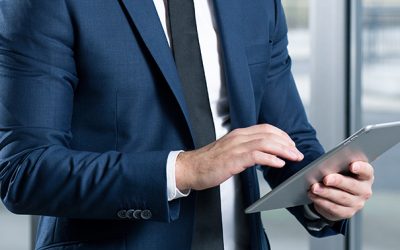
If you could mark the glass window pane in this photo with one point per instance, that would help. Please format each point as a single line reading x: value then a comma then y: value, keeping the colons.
x: 284, y: 231
x: 14, y: 230
x: 381, y: 103
x: 297, y: 14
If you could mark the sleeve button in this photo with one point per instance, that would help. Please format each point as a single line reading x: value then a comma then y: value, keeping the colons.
x: 136, y: 214
x: 146, y: 214
x: 122, y: 214
x: 130, y: 213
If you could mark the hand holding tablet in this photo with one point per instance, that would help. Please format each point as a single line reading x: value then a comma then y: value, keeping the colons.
x: 364, y: 146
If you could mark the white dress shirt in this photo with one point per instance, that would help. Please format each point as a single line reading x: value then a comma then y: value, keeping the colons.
x: 233, y: 221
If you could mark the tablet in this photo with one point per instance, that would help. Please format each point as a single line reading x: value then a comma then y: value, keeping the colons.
x: 365, y: 145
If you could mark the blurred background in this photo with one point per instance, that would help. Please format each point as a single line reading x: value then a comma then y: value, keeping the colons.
x: 346, y: 62
x: 378, y: 100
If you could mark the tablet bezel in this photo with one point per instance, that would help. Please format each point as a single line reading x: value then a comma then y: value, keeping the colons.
x: 361, y: 146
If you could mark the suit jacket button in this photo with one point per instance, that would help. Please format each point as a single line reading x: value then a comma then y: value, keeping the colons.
x: 146, y: 214
x: 130, y: 213
x: 122, y: 214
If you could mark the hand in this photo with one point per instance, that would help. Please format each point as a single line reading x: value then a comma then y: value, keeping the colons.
x: 211, y: 165
x: 340, y: 197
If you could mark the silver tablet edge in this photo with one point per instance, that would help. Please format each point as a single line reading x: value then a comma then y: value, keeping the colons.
x: 365, y: 129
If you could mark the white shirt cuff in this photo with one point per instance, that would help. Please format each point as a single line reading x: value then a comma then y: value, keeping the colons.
x: 173, y: 192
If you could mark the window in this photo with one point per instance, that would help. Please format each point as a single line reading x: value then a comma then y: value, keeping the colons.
x: 381, y: 103
x: 297, y: 14
x: 14, y: 230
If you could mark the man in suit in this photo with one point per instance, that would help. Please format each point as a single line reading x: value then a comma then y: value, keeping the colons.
x: 135, y: 124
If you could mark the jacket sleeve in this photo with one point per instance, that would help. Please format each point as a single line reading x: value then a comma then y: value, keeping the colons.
x: 282, y: 107
x: 39, y: 172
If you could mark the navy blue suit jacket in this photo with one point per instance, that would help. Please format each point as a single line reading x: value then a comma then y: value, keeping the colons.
x: 91, y: 105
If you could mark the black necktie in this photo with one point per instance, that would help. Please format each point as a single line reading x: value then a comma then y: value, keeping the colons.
x: 207, y: 234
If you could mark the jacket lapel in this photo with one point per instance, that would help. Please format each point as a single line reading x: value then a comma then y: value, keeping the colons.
x: 237, y: 76
x: 147, y: 23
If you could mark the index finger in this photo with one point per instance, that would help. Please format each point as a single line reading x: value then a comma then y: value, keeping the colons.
x: 363, y: 170
x: 267, y: 128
